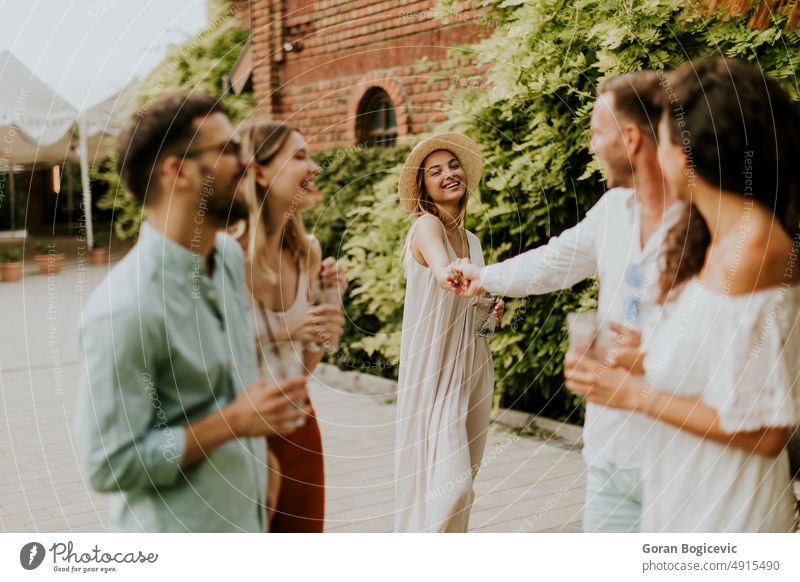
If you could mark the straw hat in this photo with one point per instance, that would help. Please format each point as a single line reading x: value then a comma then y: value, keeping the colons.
x: 462, y: 147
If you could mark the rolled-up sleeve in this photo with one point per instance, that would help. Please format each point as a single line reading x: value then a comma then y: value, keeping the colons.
x: 564, y: 261
x: 125, y: 438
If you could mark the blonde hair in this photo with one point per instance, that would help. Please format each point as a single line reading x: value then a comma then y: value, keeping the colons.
x: 261, y: 142
x: 424, y: 204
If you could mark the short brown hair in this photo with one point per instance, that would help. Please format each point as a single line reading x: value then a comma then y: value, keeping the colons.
x: 638, y: 99
x: 165, y: 126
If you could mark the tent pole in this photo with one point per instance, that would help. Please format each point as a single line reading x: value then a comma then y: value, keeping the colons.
x: 70, y: 195
x: 11, y: 197
x: 83, y: 152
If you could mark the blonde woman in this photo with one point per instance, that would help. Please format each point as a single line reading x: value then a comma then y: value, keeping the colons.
x: 283, y: 263
x: 444, y: 395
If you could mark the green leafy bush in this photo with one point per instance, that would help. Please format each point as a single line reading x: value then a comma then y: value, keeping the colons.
x: 41, y: 247
x: 360, y: 222
x: 531, y: 119
x: 11, y: 255
x: 530, y: 116
x: 547, y: 58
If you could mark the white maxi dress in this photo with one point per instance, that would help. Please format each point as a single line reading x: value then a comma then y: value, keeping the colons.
x: 444, y: 401
x: 740, y: 355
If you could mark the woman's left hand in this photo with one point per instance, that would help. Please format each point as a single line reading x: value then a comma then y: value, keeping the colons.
x: 332, y: 274
x: 601, y: 384
x: 499, y: 309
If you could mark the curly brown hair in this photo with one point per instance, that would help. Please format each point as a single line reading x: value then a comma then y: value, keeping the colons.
x: 728, y: 115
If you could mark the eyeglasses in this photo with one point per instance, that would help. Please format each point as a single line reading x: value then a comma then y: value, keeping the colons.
x: 230, y: 147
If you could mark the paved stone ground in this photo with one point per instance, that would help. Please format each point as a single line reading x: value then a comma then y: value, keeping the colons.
x: 526, y: 484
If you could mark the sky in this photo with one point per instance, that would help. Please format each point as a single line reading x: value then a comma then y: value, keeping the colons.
x: 86, y: 50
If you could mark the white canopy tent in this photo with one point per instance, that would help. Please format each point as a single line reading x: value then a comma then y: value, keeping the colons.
x: 102, y: 122
x: 35, y: 123
x: 37, y: 127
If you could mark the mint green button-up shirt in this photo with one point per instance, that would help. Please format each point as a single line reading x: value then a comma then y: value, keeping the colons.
x: 164, y: 345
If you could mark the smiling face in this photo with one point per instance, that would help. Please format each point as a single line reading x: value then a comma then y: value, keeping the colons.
x: 608, y: 143
x: 289, y: 176
x: 673, y: 162
x: 444, y: 178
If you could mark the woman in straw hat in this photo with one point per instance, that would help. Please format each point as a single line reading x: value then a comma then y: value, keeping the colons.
x: 444, y: 394
x: 283, y: 263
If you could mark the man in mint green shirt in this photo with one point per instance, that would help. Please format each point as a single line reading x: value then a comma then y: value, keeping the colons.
x: 172, y: 415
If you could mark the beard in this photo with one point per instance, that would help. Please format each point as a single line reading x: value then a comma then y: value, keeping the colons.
x: 220, y: 200
x: 618, y: 174
x: 231, y: 212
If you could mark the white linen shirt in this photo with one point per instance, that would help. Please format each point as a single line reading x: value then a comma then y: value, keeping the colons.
x: 605, y: 242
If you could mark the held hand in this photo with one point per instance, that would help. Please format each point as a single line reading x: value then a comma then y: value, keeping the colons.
x: 631, y: 359
x: 262, y: 410
x: 320, y: 324
x: 443, y: 277
x: 625, y: 348
x: 627, y: 336
x: 499, y: 309
x: 454, y: 274
x: 328, y: 325
x: 464, y: 278
x: 332, y: 274
x: 601, y: 384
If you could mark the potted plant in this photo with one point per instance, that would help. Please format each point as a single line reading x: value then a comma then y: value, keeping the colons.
x: 11, y: 268
x: 99, y: 254
x: 47, y: 258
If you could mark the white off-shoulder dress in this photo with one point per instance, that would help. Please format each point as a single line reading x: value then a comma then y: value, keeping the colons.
x: 739, y: 355
x: 444, y: 401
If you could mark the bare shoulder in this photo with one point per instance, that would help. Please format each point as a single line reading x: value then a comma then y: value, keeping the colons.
x: 426, y: 228
x: 428, y: 224
x: 427, y: 235
x: 760, y: 260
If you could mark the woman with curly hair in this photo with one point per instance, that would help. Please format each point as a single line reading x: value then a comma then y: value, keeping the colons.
x: 722, y: 366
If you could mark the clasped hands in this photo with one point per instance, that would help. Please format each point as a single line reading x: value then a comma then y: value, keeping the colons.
x: 463, y: 279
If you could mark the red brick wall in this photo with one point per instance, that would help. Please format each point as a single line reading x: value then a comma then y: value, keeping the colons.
x: 349, y: 46
x: 761, y: 16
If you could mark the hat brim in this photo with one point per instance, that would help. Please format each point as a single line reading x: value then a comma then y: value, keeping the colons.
x: 468, y: 154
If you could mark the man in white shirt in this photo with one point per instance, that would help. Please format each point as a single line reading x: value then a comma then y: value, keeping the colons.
x: 619, y: 240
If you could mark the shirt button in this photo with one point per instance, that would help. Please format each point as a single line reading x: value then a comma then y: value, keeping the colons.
x: 212, y: 295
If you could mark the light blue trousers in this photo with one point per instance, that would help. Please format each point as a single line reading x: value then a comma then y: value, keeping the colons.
x: 613, y: 499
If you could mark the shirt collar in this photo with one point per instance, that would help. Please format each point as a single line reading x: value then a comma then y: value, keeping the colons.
x: 174, y: 256
x: 673, y: 214
x: 668, y: 220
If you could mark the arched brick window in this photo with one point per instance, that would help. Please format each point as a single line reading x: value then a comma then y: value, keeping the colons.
x: 376, y: 121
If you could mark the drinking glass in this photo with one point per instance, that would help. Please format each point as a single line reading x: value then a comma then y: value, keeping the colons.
x: 282, y: 362
x: 582, y: 330
x: 484, y: 316
x: 605, y: 342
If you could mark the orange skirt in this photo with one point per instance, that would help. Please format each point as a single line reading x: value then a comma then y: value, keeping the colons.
x: 301, y: 501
